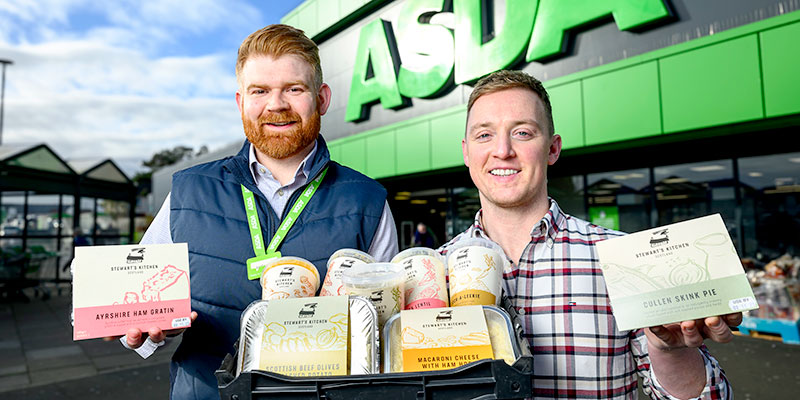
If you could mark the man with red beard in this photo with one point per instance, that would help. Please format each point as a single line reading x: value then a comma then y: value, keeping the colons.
x: 281, y: 97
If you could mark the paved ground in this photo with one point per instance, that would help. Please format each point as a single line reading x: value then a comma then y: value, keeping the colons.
x: 36, y: 347
x: 39, y: 361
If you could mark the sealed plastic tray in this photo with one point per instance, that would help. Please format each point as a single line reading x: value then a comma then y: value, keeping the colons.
x: 484, y: 379
x: 501, y: 331
x: 364, y: 341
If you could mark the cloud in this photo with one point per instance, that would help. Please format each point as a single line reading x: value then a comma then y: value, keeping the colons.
x: 136, y: 24
x: 121, y: 127
x: 77, y: 67
x: 123, y: 85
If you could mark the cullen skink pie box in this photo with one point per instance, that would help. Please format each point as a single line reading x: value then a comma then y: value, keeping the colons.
x: 115, y: 288
x: 673, y: 273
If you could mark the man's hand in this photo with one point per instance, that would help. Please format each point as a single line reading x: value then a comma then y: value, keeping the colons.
x: 693, y: 333
x: 674, y: 356
x: 136, y: 337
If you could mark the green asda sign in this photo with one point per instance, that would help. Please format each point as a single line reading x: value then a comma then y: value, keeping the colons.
x: 420, y: 59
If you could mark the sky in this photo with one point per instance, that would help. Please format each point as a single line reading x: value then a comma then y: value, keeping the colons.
x: 124, y: 79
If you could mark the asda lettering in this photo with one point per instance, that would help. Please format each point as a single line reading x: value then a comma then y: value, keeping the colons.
x: 421, y: 58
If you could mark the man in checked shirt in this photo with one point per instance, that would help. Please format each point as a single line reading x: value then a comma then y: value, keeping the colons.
x: 555, y: 280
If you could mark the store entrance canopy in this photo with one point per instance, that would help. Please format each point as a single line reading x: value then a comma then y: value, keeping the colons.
x: 46, y: 204
x: 39, y: 168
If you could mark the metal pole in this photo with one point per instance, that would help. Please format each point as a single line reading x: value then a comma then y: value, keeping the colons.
x: 2, y: 96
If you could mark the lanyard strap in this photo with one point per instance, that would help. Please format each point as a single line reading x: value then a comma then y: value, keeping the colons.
x: 283, y: 229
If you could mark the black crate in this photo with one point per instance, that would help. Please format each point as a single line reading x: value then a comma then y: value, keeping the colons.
x: 484, y: 379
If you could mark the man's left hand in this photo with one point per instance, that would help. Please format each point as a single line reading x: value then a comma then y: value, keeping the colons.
x: 692, y: 333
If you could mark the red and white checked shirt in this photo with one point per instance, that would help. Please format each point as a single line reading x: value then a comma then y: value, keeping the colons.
x: 578, y: 352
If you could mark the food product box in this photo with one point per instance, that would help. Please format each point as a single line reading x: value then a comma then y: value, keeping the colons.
x: 115, y: 288
x: 673, y: 273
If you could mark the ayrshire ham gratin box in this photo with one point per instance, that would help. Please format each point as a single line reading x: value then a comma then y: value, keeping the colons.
x: 115, y: 288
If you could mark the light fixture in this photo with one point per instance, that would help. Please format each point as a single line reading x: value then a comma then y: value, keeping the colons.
x: 405, y: 194
x: 632, y: 175
x: 783, y: 189
x: 604, y: 199
x: 755, y: 174
x: 708, y: 168
x: 419, y: 201
x: 795, y: 160
x: 675, y: 180
x: 442, y: 199
x: 611, y: 186
x: 672, y: 197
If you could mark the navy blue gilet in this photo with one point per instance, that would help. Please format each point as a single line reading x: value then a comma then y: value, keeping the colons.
x: 207, y: 212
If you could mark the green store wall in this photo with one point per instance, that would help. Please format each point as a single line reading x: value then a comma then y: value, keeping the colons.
x: 319, y: 17
x: 748, y: 73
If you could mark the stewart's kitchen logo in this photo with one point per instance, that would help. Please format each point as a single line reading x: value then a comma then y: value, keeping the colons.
x: 445, y: 315
x: 659, y: 238
x: 136, y: 255
x: 444, y: 320
x: 308, y: 310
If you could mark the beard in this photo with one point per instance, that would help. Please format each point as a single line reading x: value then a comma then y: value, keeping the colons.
x: 281, y: 145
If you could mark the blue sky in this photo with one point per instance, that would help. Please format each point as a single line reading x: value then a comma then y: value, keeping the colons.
x: 124, y: 79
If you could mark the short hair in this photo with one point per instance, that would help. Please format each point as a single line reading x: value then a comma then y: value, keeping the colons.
x: 279, y: 40
x: 505, y: 79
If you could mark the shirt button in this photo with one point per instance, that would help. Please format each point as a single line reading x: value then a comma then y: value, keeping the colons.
x: 521, y: 311
x: 280, y: 192
x: 262, y: 170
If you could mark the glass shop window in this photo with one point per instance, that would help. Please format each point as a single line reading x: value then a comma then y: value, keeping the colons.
x: 43, y: 217
x: 467, y: 203
x: 12, y: 217
x: 86, y: 221
x: 568, y: 192
x: 620, y: 200
x: 771, y: 205
x: 687, y: 191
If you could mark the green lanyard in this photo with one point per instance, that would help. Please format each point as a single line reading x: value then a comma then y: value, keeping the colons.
x: 256, y: 264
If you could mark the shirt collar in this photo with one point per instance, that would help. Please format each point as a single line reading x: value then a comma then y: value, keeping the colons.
x: 303, y: 170
x: 552, y: 223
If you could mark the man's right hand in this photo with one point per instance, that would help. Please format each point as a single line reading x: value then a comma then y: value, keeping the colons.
x: 135, y: 337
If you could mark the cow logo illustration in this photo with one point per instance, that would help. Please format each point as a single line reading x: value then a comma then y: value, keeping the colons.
x: 444, y: 315
x: 136, y: 255
x: 286, y: 271
x: 659, y: 238
x: 377, y: 296
x: 308, y: 310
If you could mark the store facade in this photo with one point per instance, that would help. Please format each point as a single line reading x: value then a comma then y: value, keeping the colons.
x: 668, y: 110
